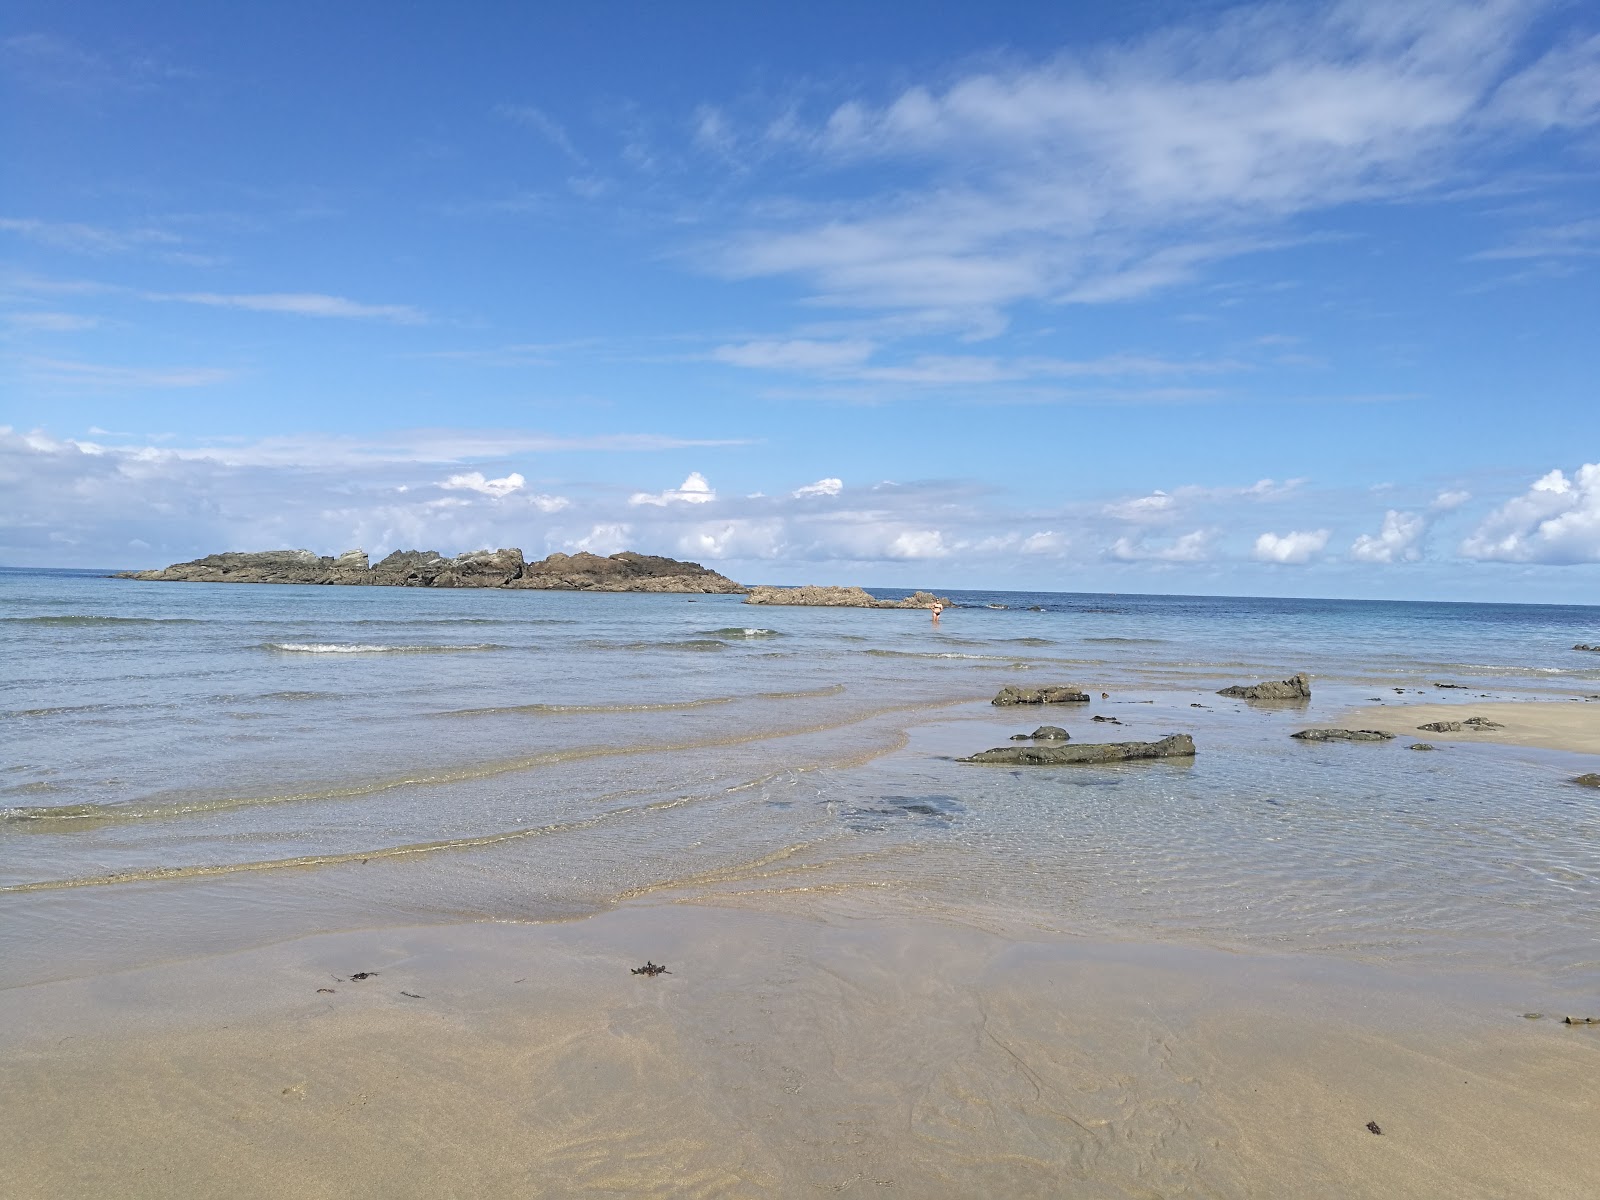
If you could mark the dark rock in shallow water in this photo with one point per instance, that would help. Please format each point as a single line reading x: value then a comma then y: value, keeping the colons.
x: 626, y: 572
x: 1586, y: 646
x: 1058, y: 694
x: 1421, y: 746
x: 1343, y: 735
x: 1045, y: 733
x: 1297, y: 687
x: 1590, y: 780
x: 1177, y: 745
x: 1441, y: 727
x: 813, y: 596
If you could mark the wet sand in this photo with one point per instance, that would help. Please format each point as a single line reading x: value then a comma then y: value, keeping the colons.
x: 1572, y: 725
x: 825, y: 1048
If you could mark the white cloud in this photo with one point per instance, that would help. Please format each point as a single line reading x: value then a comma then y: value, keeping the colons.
x: 822, y: 487
x: 1102, y: 178
x: 1298, y: 546
x: 1190, y: 548
x: 50, y: 322
x: 693, y: 490
x: 1449, y: 500
x: 1046, y: 541
x: 606, y: 539
x: 65, y: 374
x: 795, y: 354
x: 299, y: 304
x: 474, y: 481
x: 1557, y: 520
x: 1396, y: 542
x: 543, y: 124
x: 85, y: 239
x: 1142, y: 508
x: 918, y: 543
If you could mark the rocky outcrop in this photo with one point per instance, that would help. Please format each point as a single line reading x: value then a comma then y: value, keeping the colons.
x: 1011, y: 694
x: 624, y: 572
x: 1343, y: 735
x: 1297, y: 687
x: 838, y: 597
x: 1177, y: 745
x: 1470, y: 725
x: 1590, y: 780
x: 1045, y: 733
x: 1422, y: 746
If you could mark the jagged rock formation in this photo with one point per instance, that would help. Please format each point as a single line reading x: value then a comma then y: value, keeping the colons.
x: 838, y: 597
x: 1470, y: 725
x: 1177, y: 745
x: 1343, y: 735
x: 1297, y: 687
x: 1051, y: 694
x: 625, y: 572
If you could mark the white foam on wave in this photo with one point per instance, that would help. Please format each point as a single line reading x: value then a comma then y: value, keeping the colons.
x: 365, y: 648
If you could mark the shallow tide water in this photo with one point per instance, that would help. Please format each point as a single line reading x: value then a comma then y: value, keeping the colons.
x: 191, y: 769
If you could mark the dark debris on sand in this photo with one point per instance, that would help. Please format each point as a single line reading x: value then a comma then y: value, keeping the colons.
x: 651, y: 968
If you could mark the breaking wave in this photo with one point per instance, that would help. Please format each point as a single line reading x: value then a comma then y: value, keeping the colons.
x: 365, y: 648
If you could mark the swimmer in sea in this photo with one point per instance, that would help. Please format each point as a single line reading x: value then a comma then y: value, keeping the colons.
x: 937, y: 609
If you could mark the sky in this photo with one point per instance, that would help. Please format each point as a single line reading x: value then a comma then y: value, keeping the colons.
x: 1278, y: 299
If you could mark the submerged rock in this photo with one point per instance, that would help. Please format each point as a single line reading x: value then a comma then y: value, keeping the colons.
x: 838, y: 597
x: 1056, y: 694
x: 1590, y: 780
x: 1421, y: 746
x: 1297, y: 687
x: 1586, y: 646
x: 625, y: 572
x: 1177, y: 745
x: 1045, y: 733
x: 1343, y: 735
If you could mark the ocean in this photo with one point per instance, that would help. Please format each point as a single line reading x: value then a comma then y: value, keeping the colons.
x: 190, y: 769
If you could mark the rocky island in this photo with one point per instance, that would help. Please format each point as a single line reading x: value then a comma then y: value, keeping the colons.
x: 583, y: 572
x: 838, y: 597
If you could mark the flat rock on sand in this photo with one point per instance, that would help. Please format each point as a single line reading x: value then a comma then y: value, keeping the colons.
x: 1177, y: 745
x: 1296, y: 687
x: 1050, y: 694
x: 1343, y: 735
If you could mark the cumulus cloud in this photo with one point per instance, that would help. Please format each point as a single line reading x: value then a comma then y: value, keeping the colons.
x: 1449, y: 500
x: 693, y: 490
x: 1297, y: 546
x: 1396, y: 541
x: 822, y: 487
x: 1557, y: 520
x: 1046, y: 541
x: 474, y: 481
x: 918, y: 543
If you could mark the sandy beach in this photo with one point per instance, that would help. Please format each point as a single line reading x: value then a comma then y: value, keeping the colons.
x: 820, y: 1050
x: 1570, y: 725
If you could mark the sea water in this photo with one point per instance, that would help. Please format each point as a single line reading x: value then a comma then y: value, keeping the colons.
x: 192, y: 768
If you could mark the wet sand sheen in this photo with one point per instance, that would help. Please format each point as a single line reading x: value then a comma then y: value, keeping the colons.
x: 783, y: 1055
x: 1546, y: 724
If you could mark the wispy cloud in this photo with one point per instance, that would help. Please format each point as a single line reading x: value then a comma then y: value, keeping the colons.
x: 65, y: 374
x: 82, y: 238
x: 299, y: 304
x: 1103, y: 178
x: 542, y: 123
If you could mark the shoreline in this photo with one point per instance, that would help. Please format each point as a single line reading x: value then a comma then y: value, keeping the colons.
x: 830, y: 1047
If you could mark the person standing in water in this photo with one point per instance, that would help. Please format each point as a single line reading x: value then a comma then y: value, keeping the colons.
x: 937, y: 609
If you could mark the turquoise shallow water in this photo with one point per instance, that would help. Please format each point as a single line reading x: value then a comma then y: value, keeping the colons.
x: 187, y: 767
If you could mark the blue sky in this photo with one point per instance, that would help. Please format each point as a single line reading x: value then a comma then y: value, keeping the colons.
x: 1290, y: 299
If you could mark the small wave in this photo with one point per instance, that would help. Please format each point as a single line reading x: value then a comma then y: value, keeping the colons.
x: 71, y: 619
x: 734, y: 632
x: 1029, y: 641
x: 1126, y: 641
x: 693, y: 644
x: 363, y: 648
x: 932, y: 654
x: 301, y: 695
